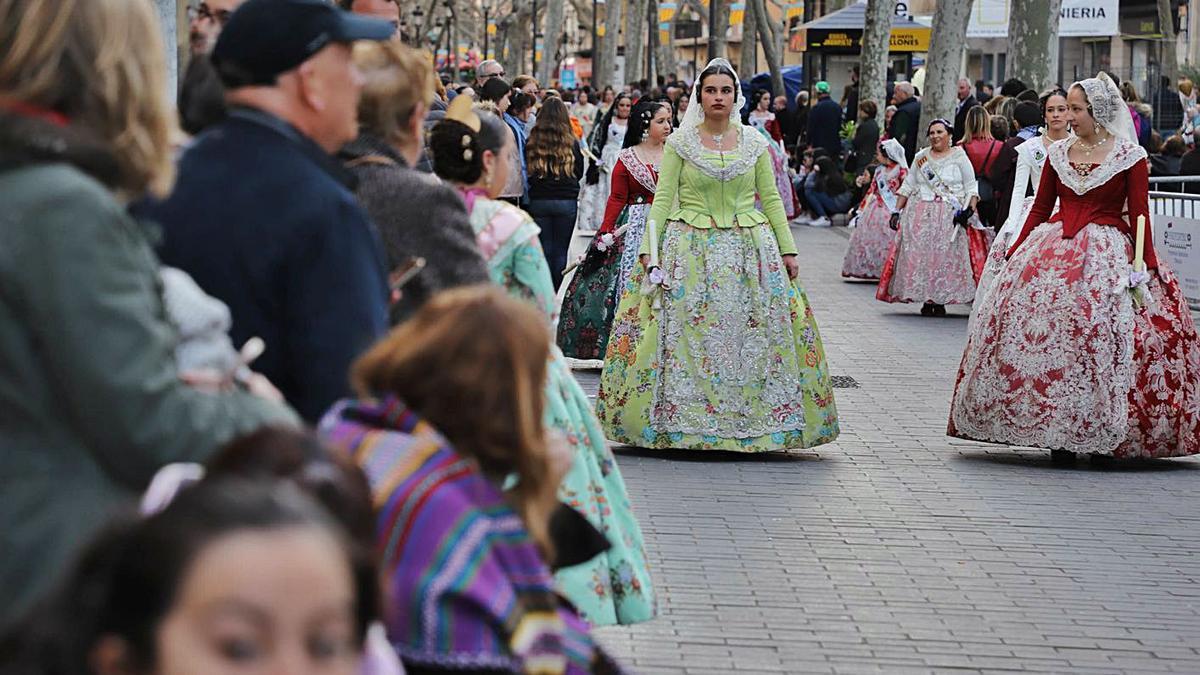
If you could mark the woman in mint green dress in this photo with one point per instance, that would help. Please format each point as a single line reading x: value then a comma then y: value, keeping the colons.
x: 613, y: 587
x: 714, y: 345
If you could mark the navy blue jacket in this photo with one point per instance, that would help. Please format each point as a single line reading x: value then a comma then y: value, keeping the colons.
x: 825, y: 126
x: 262, y: 218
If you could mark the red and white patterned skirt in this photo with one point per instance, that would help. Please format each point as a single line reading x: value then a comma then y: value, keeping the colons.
x: 1061, y: 358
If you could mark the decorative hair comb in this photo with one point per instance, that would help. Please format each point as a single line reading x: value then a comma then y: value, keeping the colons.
x: 461, y: 110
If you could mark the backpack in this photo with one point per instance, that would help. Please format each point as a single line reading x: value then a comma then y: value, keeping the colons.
x: 987, y: 192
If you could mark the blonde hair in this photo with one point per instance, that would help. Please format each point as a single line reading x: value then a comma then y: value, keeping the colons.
x: 978, y: 124
x: 1186, y: 86
x: 397, y: 79
x: 99, y: 63
x: 472, y: 363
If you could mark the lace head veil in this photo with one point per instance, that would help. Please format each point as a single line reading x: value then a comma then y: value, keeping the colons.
x: 1108, y: 108
x: 894, y: 151
x: 695, y: 112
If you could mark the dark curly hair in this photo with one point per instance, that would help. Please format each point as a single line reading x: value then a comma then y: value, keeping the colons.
x: 1047, y: 95
x: 639, y: 120
x: 458, y: 150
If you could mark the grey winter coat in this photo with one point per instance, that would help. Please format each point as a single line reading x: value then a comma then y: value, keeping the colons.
x: 417, y: 216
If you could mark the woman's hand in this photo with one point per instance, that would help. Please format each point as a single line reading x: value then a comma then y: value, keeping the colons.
x: 793, y: 267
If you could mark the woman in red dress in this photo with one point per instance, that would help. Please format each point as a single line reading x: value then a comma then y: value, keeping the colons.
x: 1076, y: 352
x: 600, y: 278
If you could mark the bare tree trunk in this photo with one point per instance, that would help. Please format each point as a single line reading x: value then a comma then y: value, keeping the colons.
x: 517, y: 34
x: 748, y: 58
x: 944, y: 62
x: 667, y: 62
x: 423, y: 28
x: 635, y: 39
x: 1033, y: 42
x: 770, y: 42
x: 718, y: 27
x: 168, y: 15
x: 548, y: 67
x: 872, y: 81
x: 1170, y: 57
x: 612, y: 39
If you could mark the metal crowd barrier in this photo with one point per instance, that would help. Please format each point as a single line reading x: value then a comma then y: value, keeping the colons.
x: 1176, y: 220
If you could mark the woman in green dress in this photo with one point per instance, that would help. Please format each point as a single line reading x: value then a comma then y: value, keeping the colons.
x: 714, y: 345
x: 469, y: 149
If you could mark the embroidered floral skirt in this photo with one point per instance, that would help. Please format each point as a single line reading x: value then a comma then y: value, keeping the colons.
x: 591, y: 297
x: 1061, y: 358
x: 730, y: 359
x: 614, y: 587
x: 995, y: 257
x: 870, y: 242
x: 932, y: 259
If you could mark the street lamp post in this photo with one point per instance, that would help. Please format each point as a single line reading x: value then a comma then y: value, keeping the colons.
x: 486, y: 29
x: 596, y: 64
x: 533, y: 52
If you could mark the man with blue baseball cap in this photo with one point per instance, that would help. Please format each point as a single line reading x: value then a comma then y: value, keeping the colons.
x: 262, y: 216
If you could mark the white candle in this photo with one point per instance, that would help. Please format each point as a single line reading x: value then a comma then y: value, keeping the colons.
x: 652, y: 232
x: 1139, y: 247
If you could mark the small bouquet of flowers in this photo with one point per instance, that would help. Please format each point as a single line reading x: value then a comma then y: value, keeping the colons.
x: 605, y: 241
x: 1138, y: 279
x: 656, y: 279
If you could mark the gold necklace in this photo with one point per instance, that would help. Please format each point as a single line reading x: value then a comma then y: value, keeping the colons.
x: 1087, y: 148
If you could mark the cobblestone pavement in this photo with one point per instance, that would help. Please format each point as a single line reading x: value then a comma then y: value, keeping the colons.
x: 897, y: 549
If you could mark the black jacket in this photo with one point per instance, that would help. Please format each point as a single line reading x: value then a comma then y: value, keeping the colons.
x: 1189, y: 165
x: 866, y: 140
x: 824, y: 124
x: 960, y: 117
x: 905, y: 125
x: 558, y: 187
x: 264, y: 220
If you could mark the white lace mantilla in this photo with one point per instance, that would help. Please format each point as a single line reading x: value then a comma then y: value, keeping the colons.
x: 751, y: 144
x: 1123, y: 156
x: 638, y: 169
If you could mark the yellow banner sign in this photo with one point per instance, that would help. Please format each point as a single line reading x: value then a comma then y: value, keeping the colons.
x: 850, y: 41
x: 737, y: 12
x: 909, y: 40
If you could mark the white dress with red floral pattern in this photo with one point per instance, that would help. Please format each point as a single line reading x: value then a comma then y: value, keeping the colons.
x: 872, y: 236
x: 1061, y: 356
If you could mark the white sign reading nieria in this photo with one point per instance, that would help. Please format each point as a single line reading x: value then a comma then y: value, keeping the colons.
x: 1078, y: 18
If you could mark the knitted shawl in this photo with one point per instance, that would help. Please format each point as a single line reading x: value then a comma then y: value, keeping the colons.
x: 468, y: 588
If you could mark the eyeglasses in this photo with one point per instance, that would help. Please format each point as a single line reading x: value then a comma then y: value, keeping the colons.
x: 202, y: 12
x: 499, y: 73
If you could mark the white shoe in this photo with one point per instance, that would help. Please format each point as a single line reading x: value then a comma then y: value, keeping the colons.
x: 820, y: 222
x: 801, y: 220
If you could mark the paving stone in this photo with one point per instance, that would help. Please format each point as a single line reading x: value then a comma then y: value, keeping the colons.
x: 897, y: 549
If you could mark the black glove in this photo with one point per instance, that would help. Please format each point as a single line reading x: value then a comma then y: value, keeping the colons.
x: 593, y: 174
x: 963, y: 217
x: 894, y: 222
